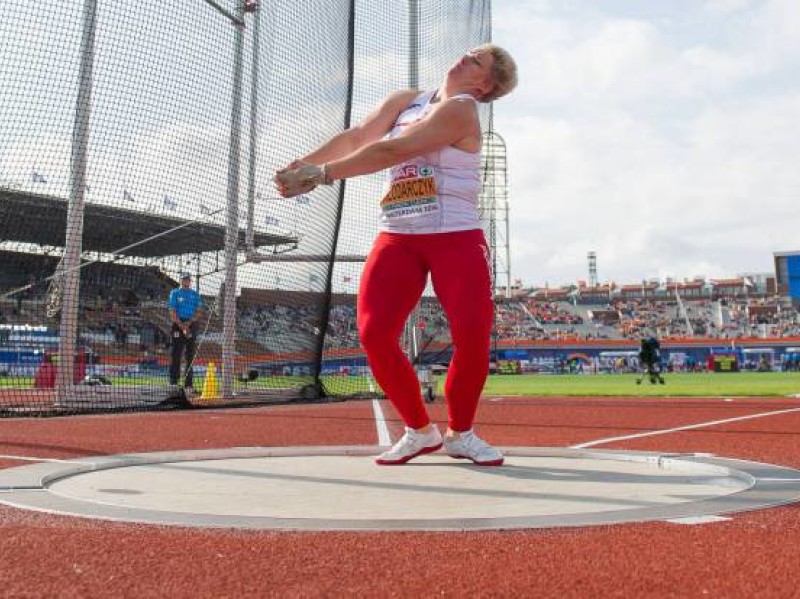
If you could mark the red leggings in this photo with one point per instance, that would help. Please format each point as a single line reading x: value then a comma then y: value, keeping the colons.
x: 394, y: 279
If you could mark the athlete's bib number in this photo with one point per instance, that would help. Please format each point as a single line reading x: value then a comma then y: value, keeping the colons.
x: 411, y: 193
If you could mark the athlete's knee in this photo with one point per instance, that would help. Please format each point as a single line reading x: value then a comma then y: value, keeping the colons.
x: 374, y: 334
x: 471, y: 344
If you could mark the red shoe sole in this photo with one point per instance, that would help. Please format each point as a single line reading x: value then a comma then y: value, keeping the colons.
x: 402, y: 461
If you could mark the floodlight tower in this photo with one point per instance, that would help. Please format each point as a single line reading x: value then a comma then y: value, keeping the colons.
x: 493, y: 207
x: 592, y: 269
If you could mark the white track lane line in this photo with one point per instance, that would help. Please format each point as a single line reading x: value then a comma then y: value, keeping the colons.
x: 681, y: 428
x: 26, y: 458
x: 699, y: 520
x: 384, y: 439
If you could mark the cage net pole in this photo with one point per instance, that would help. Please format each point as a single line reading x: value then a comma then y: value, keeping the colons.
x: 232, y: 220
x: 413, y: 83
x: 251, y: 163
x: 317, y: 388
x: 74, y: 234
x: 413, y: 44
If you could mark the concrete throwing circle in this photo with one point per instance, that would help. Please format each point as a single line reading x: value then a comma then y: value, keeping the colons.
x: 340, y: 488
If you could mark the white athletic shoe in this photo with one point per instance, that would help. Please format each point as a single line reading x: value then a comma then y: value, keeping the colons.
x: 411, y: 445
x: 469, y: 446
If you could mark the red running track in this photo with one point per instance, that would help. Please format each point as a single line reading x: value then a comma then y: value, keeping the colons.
x: 755, y: 554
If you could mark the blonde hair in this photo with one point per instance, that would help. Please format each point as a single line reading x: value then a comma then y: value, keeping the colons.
x: 504, y: 72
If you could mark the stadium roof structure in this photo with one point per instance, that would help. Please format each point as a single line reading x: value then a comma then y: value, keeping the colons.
x: 41, y: 219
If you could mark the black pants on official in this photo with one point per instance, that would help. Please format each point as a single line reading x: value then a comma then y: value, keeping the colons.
x: 182, y: 343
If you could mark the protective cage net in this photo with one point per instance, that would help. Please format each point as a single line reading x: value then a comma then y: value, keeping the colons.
x: 138, y: 141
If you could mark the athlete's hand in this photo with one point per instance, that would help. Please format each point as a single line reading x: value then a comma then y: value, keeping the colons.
x: 298, y: 178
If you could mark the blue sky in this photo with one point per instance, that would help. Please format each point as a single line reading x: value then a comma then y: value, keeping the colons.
x: 664, y: 136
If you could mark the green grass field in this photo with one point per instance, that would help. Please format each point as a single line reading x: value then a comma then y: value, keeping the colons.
x: 735, y: 384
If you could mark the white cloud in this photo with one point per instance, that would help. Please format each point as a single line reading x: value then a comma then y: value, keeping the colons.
x: 665, y: 148
x: 727, y: 6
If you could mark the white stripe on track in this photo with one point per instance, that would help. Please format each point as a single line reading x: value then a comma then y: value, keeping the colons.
x: 690, y: 520
x: 25, y: 458
x: 688, y: 427
x: 384, y: 439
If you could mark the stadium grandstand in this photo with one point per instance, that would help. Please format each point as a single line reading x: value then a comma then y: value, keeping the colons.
x: 125, y: 329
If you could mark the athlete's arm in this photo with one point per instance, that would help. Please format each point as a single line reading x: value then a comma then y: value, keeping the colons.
x: 374, y: 126
x: 450, y: 123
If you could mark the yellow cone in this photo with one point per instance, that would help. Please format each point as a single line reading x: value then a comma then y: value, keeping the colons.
x: 210, y: 386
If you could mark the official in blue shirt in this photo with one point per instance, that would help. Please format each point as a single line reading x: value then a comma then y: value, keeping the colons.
x: 184, y: 312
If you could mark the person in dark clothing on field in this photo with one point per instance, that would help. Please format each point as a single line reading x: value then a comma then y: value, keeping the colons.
x: 650, y: 361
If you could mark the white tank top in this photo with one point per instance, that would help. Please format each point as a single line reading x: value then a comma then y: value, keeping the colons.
x: 436, y: 192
